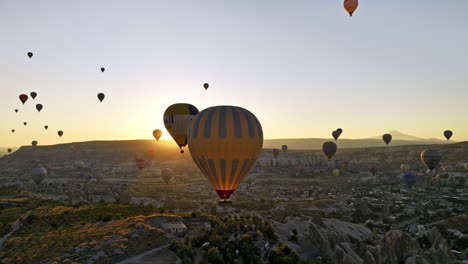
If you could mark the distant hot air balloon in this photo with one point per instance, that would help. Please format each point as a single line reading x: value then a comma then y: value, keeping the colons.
x: 79, y: 164
x: 206, y: 85
x: 103, y: 69
x: 373, y: 170
x: 30, y: 54
x: 101, y: 96
x: 23, y: 98
x: 12, y: 131
x: 39, y: 107
x: 335, y: 134
x: 177, y: 118
x: 345, y: 165
x: 336, y: 172
x: 16, y: 110
x: 34, y: 143
x: 284, y: 148
x: 329, y: 148
x: 339, y: 131
x: 350, y: 6
x: 166, y: 175
x: 38, y: 175
x: 225, y: 142
x: 409, y: 179
x: 387, y: 138
x: 33, y: 95
x: 276, y: 153
x: 448, y: 134
x: 157, y: 133
x: 431, y: 158
x: 9, y: 150
x: 405, y: 167
x: 46, y: 127
x: 60, y: 133
x: 25, y: 123
x: 140, y: 163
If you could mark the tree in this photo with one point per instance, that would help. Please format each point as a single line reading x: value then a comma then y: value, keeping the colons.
x: 285, y: 255
x: 214, y: 256
x: 248, y: 250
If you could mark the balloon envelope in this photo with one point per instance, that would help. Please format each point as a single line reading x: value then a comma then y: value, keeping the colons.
x: 16, y: 110
x: 448, y: 134
x: 39, y: 107
x: 140, y: 163
x: 206, y: 85
x: 38, y: 175
x: 9, y: 150
x: 167, y: 174
x: 177, y: 118
x: 350, y: 6
x: 284, y: 148
x: 33, y: 95
x: 60, y: 133
x: 101, y: 96
x: 431, y: 158
x: 387, y: 138
x: 34, y: 143
x: 103, y: 69
x: 25, y: 123
x: 30, y: 54
x: 329, y: 148
x: 23, y: 98
x: 404, y: 167
x: 335, y: 134
x: 46, y: 127
x: 12, y: 131
x: 157, y: 133
x: 225, y: 142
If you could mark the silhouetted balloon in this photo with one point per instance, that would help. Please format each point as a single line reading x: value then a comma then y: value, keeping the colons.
x: 329, y: 148
x: 60, y: 133
x: 340, y: 131
x: 25, y: 123
x: 33, y: 95
x: 38, y: 175
x: 448, y: 134
x: 46, y: 127
x: 140, y: 163
x: 387, y: 138
x: 103, y: 69
x: 101, y: 96
x: 404, y: 167
x: 335, y: 134
x: 157, y: 133
x: 373, y: 170
x: 12, y: 131
x: 34, y: 143
x: 431, y: 158
x: 16, y: 110
x: 23, y: 98
x: 177, y: 118
x: 9, y: 150
x: 409, y: 179
x: 276, y: 153
x: 225, y: 142
x: 167, y: 174
x: 30, y: 54
x: 350, y: 6
x: 39, y: 107
x: 284, y: 148
x: 206, y: 86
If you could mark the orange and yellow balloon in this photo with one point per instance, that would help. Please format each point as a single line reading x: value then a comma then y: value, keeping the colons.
x: 177, y: 118
x: 225, y: 142
x: 350, y: 6
x: 157, y: 133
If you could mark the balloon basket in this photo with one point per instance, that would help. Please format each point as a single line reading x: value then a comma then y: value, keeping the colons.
x: 225, y: 201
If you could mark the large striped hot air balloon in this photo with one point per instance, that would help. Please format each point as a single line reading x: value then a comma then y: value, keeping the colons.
x: 177, y: 118
x: 225, y: 142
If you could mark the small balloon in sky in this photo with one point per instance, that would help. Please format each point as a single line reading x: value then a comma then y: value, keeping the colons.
x: 23, y: 98
x: 33, y: 95
x: 101, y: 96
x: 60, y: 133
x: 30, y: 54
x: 39, y: 107
x: 206, y: 85
x: 103, y: 69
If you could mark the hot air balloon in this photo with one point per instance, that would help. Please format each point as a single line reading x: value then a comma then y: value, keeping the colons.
x: 30, y: 54
x: 101, y: 97
x: 166, y: 175
x: 404, y: 167
x: 345, y: 165
x: 9, y: 150
x: 387, y: 138
x: 276, y: 153
x: 284, y: 148
x: 205, y: 85
x: 46, y: 127
x: 34, y: 143
x: 329, y: 148
x: 448, y: 134
x: 350, y: 6
x: 23, y: 98
x: 431, y: 158
x: 25, y: 123
x: 103, y: 69
x: 225, y: 142
x: 140, y: 163
x: 336, y: 172
x: 12, y: 131
x: 177, y: 118
x: 16, y: 110
x: 38, y: 175
x: 373, y: 170
x: 79, y: 164
x: 409, y: 179
x: 60, y: 133
x: 39, y: 107
x: 335, y: 134
x: 340, y: 131
x: 157, y: 133
x: 33, y: 95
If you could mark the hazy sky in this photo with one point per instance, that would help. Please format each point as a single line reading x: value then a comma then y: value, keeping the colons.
x: 303, y: 67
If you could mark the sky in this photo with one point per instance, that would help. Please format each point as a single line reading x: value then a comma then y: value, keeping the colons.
x: 304, y: 68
